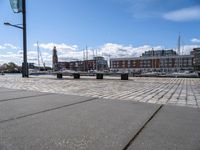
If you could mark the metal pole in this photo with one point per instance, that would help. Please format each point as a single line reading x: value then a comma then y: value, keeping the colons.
x: 25, y: 63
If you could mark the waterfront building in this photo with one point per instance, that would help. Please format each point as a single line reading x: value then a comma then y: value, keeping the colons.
x: 196, y: 53
x: 159, y: 53
x: 54, y: 59
x: 63, y: 65
x: 161, y: 60
x: 97, y: 63
x: 100, y: 63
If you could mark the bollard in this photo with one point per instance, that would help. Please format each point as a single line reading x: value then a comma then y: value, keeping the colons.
x: 76, y: 75
x: 124, y: 76
x: 59, y: 75
x: 99, y: 76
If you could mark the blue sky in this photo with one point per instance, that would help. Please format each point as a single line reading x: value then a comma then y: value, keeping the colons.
x: 116, y: 27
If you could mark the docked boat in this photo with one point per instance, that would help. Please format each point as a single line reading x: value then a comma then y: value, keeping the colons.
x: 185, y: 74
x: 38, y: 72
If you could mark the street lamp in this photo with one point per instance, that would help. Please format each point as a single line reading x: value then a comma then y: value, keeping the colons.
x: 13, y: 25
x: 20, y: 6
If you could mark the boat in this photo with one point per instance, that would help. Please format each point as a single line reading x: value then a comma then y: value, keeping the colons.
x: 150, y: 74
x: 39, y: 70
x: 184, y: 74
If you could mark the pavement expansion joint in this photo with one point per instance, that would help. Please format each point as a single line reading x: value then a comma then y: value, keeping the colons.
x: 18, y: 98
x: 142, y: 128
x: 11, y: 91
x: 47, y: 110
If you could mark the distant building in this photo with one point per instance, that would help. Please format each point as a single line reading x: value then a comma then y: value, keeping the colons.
x: 54, y: 59
x: 159, y: 53
x: 196, y: 53
x: 161, y: 60
x: 100, y: 63
x: 63, y: 65
x: 97, y: 63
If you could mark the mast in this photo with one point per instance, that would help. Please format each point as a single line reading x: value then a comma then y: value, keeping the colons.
x: 93, y: 53
x: 42, y: 59
x: 93, y: 60
x: 109, y: 60
x: 38, y: 52
x: 40, y: 56
x: 83, y: 54
x: 86, y: 58
x: 179, y: 51
x: 86, y: 53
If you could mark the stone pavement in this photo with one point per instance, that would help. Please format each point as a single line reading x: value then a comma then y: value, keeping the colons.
x: 172, y: 91
x: 47, y: 121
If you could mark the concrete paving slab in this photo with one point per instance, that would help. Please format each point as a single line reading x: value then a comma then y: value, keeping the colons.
x: 10, y: 95
x: 22, y: 107
x: 99, y: 124
x: 173, y: 128
x: 2, y: 90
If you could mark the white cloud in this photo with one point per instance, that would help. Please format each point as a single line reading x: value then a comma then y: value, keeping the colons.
x: 2, y: 47
x: 148, y: 9
x: 71, y: 52
x: 117, y: 50
x: 143, y: 9
x: 11, y: 57
x: 8, y: 45
x: 195, y: 40
x: 65, y: 52
x: 185, y: 14
x: 186, y: 49
x: 60, y: 47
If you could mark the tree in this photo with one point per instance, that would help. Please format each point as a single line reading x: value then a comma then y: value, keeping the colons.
x: 10, y: 68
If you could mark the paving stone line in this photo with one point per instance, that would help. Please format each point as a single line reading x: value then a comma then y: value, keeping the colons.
x: 47, y: 110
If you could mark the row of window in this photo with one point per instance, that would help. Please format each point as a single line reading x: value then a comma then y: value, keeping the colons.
x: 150, y: 61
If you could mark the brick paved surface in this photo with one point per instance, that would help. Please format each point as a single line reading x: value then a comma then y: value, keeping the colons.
x: 32, y: 120
x: 173, y: 91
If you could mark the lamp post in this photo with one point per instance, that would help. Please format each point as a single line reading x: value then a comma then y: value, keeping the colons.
x: 20, y: 6
x: 13, y: 25
x: 25, y: 63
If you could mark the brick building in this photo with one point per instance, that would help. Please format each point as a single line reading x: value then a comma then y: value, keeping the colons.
x: 196, y: 53
x: 97, y: 63
x: 161, y: 60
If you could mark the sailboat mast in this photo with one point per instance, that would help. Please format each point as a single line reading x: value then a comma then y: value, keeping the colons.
x: 179, y: 51
x: 38, y: 52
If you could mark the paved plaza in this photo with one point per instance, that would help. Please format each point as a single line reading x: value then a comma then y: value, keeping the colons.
x: 172, y: 91
x: 99, y: 114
